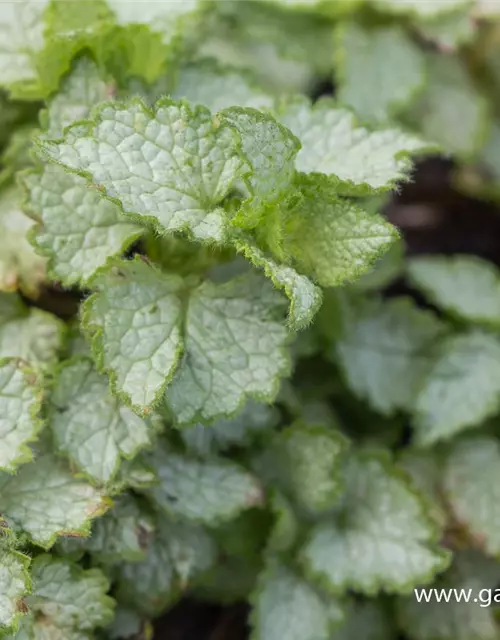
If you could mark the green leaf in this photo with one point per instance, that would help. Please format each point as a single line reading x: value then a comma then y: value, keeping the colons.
x: 186, y: 164
x: 305, y: 462
x: 366, y: 620
x: 20, y: 267
x: 135, y: 322
x: 379, y: 70
x: 219, y: 87
x: 15, y: 585
x: 456, y: 620
x: 449, y: 31
x: 462, y: 388
x: 68, y: 602
x: 380, y: 519
x: 286, y: 606
x: 387, y: 269
x: 177, y: 554
x: 45, y: 500
x: 357, y: 161
x: 205, y: 491
x: 465, y: 286
x: 417, y: 8
x: 332, y: 238
x: 251, y: 421
x: 20, y: 399
x: 90, y: 425
x: 78, y: 229
x: 470, y: 485
x: 462, y: 130
x: 28, y: 333
x: 385, y: 351
x: 305, y: 298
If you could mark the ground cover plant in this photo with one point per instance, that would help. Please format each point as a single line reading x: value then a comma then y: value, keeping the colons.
x: 224, y: 376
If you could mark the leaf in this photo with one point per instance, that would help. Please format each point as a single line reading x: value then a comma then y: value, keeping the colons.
x: 134, y: 320
x: 20, y: 402
x: 29, y: 334
x: 178, y: 553
x: 385, y: 351
x: 456, y: 620
x: 170, y: 166
x: 465, y: 286
x: 234, y: 348
x: 78, y: 229
x: 470, y: 489
x: 15, y: 585
x: 20, y: 267
x: 79, y: 92
x: 252, y: 420
x: 305, y: 298
x: 387, y: 269
x: 420, y: 9
x: 366, y: 620
x: 286, y: 606
x: 90, y: 425
x: 332, y: 238
x: 68, y: 602
x: 45, y: 501
x: 450, y: 31
x: 204, y: 491
x: 462, y: 388
x: 219, y: 87
x: 357, y: 161
x: 462, y: 130
x: 380, y: 519
x: 379, y: 70
x: 305, y: 462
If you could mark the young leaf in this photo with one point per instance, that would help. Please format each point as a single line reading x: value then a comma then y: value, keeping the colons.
x: 78, y: 229
x: 208, y: 491
x: 380, y: 519
x: 456, y: 620
x: 15, y: 585
x: 219, y: 87
x: 461, y: 389
x: 20, y: 267
x: 385, y: 351
x: 45, y: 500
x: 470, y: 485
x: 68, y: 602
x: 375, y: 90
x: 20, y: 399
x: 170, y: 165
x: 90, y: 425
x: 332, y: 238
x: 287, y: 606
x: 465, y: 286
x: 357, y: 161
x: 177, y: 554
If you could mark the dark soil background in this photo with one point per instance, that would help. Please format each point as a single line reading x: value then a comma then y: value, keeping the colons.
x: 433, y: 218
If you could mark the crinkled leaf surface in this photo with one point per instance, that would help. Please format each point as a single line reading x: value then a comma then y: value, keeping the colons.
x: 15, y: 584
x: 470, y: 484
x: 380, y: 537
x: 45, y: 500
x: 20, y: 402
x: 206, y: 491
x: 332, y: 238
x: 78, y: 229
x: 178, y: 552
x: 20, y: 267
x: 89, y: 423
x: 462, y: 387
x: 171, y: 165
x: 30, y: 334
x: 465, y: 286
x: 385, y: 351
x: 358, y: 162
x: 218, y: 88
x: 380, y: 70
x: 455, y: 620
x: 287, y: 606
